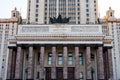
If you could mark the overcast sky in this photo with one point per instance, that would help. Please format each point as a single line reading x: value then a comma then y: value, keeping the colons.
x: 7, y: 5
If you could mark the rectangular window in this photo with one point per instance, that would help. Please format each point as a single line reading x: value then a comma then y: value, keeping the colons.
x: 38, y: 59
x: 37, y: 75
x: 87, y: 15
x: 49, y: 58
x: 87, y: 19
x: 37, y: 1
x: 36, y: 15
x: 87, y: 10
x: 36, y: 19
x: 37, y: 6
x: 36, y: 10
x: 60, y: 58
x: 87, y: 5
x: 87, y: 1
x: 80, y: 58
x: 70, y: 58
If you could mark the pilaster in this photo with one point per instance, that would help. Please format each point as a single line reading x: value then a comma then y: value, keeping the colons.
x: 31, y: 63
x: 42, y: 52
x: 88, y: 63
x: 65, y: 63
x: 19, y: 62
x: 77, y: 66
x: 100, y: 64
x: 53, y: 67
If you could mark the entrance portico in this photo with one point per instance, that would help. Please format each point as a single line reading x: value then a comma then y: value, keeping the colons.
x: 60, y: 56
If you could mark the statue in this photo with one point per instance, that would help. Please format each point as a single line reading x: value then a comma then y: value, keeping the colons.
x: 59, y: 19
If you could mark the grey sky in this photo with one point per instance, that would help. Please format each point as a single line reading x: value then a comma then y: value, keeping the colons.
x: 7, y: 5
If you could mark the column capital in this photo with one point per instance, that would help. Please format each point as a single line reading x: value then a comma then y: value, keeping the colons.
x: 99, y: 45
x: 109, y: 47
x: 19, y: 45
x: 10, y: 47
x: 64, y: 45
x: 30, y: 45
x: 88, y: 45
x: 53, y: 45
x: 77, y: 45
x: 42, y: 45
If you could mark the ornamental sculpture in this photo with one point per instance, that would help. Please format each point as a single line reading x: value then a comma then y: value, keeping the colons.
x: 59, y: 19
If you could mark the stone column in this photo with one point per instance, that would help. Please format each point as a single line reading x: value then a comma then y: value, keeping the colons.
x: 9, y: 67
x: 77, y: 66
x: 13, y: 64
x: 53, y: 67
x: 100, y: 64
x: 31, y: 63
x: 110, y: 74
x: 88, y: 63
x: 42, y: 52
x: 19, y: 62
x: 65, y: 63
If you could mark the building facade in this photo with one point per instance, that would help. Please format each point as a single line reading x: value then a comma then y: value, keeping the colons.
x: 7, y: 29
x: 79, y: 11
x: 60, y: 52
x: 114, y: 28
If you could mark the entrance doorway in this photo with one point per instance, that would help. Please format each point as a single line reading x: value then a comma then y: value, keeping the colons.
x: 70, y: 73
x: 59, y: 73
x: 48, y: 73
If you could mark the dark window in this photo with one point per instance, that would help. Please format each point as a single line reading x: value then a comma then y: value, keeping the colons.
x: 37, y: 6
x: 87, y: 10
x: 80, y: 58
x: 87, y: 19
x: 87, y: 5
x: 37, y: 75
x: 37, y: 1
x: 36, y: 19
x: 38, y: 58
x: 87, y: 0
x: 111, y: 14
x: 70, y: 58
x: 60, y: 57
x: 36, y: 15
x: 87, y: 15
x: 49, y: 58
x: 36, y: 10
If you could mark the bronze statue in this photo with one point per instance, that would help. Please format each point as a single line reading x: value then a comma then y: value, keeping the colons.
x: 59, y: 19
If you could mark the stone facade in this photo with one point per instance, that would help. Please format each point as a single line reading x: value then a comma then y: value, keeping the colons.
x: 75, y: 56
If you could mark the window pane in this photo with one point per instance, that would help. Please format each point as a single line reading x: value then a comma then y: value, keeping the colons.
x: 80, y: 58
x: 70, y: 62
x: 49, y: 58
x: 60, y: 58
x: 60, y: 62
x: 70, y: 58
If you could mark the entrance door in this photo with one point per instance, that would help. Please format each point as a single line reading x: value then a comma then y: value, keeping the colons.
x: 70, y: 73
x: 59, y: 73
x: 48, y: 73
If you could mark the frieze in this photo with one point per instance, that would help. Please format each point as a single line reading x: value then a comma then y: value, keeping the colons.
x: 62, y: 30
x: 35, y: 29
x: 85, y: 29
